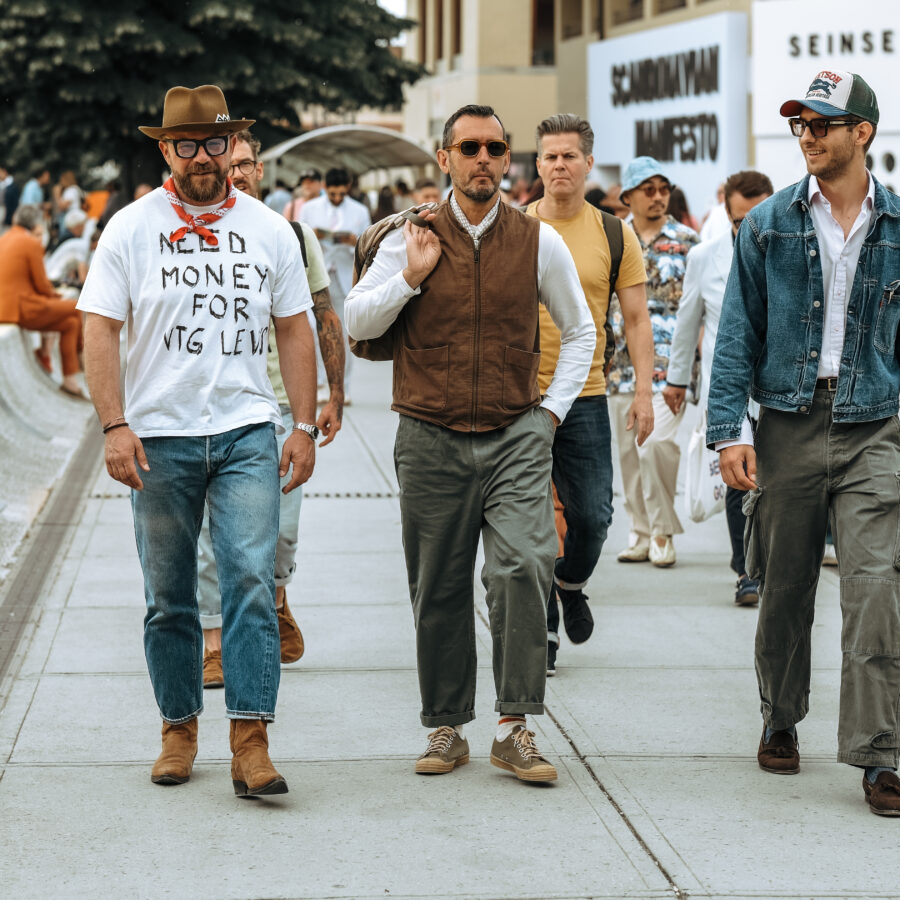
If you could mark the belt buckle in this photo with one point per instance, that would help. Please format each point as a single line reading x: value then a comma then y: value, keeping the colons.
x: 830, y: 382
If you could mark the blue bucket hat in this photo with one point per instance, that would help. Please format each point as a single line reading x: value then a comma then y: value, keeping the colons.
x: 639, y: 170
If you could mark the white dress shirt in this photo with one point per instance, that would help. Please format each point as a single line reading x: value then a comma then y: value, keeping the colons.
x: 838, y: 258
x: 378, y: 298
x: 348, y: 215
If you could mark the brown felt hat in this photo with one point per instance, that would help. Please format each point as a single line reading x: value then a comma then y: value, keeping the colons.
x: 203, y: 108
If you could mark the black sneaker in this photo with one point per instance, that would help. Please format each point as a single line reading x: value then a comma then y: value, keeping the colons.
x: 576, y: 615
x: 747, y: 593
x: 552, y: 647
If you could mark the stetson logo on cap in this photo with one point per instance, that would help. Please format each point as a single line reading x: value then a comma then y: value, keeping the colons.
x: 202, y: 108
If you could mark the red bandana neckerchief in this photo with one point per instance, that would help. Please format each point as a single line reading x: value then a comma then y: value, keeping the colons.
x: 196, y: 223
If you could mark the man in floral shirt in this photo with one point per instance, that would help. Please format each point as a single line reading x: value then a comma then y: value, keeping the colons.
x: 649, y: 471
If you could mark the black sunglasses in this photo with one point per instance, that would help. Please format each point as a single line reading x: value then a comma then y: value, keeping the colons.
x: 470, y: 147
x: 214, y: 146
x: 818, y: 127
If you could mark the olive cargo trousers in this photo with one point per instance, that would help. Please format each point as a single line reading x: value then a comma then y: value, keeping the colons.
x: 808, y: 466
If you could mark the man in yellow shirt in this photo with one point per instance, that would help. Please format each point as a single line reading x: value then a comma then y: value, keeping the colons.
x: 582, y: 456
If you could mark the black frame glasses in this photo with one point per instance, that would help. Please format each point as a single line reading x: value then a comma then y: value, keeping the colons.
x: 818, y: 127
x: 245, y: 166
x: 469, y: 147
x: 188, y: 149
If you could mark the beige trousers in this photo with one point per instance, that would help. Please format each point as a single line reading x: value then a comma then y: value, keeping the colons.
x: 648, y: 472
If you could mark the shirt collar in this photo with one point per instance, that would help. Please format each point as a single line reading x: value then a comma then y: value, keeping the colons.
x: 476, y: 231
x: 814, y: 192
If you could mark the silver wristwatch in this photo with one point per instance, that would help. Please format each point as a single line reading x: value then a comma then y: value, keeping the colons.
x: 311, y: 430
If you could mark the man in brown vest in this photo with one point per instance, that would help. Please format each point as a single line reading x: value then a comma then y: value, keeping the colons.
x: 458, y: 303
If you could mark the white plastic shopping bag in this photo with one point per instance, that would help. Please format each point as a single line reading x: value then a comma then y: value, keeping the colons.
x: 704, y: 489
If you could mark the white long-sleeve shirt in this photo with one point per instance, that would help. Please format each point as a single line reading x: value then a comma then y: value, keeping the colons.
x: 379, y: 297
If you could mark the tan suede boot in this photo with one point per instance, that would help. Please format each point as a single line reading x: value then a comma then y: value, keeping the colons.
x: 252, y: 772
x: 179, y: 747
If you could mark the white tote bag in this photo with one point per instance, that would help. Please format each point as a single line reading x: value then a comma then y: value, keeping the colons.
x: 704, y: 489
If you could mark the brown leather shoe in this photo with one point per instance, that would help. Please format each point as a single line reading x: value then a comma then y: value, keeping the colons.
x: 213, y: 677
x: 781, y: 755
x: 290, y: 634
x: 883, y: 797
x: 179, y: 747
x: 252, y: 772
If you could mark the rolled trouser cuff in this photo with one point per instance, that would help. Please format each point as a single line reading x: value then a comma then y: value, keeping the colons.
x: 182, y: 719
x: 569, y: 585
x: 448, y: 719
x: 207, y: 623
x: 238, y: 714
x: 512, y: 708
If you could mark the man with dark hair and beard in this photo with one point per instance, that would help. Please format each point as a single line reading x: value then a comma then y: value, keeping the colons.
x: 198, y: 269
x: 810, y: 328
x: 458, y: 297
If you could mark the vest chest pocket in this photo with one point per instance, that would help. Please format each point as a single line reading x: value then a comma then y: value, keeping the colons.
x: 888, y: 322
x: 424, y: 377
x: 520, y: 371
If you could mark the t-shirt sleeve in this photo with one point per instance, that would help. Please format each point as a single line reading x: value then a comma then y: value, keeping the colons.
x: 316, y: 273
x: 106, y: 289
x: 631, y: 269
x: 290, y: 289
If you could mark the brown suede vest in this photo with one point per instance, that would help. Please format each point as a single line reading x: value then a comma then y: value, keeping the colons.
x: 467, y: 348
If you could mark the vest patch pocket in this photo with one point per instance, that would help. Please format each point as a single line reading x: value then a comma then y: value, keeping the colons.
x: 888, y: 322
x: 520, y: 372
x: 425, y: 376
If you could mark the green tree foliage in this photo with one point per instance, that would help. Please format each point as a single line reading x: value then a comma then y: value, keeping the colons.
x: 78, y: 76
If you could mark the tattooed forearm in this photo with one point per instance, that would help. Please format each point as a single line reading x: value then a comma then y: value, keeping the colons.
x: 331, y: 338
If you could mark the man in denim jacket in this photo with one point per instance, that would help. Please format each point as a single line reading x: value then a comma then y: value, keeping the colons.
x: 809, y: 329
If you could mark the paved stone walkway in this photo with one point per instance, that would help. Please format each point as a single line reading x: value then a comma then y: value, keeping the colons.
x: 653, y: 724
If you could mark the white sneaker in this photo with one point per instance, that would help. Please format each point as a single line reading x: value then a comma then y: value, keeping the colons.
x: 830, y: 558
x: 662, y: 556
x: 638, y: 549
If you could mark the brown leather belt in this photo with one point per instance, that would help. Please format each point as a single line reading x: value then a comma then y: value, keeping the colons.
x: 827, y: 384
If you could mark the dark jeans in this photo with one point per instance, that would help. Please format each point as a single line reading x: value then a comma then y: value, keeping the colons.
x: 583, y: 474
x: 734, y: 513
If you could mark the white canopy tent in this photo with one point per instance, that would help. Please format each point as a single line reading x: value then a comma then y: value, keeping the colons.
x: 357, y: 148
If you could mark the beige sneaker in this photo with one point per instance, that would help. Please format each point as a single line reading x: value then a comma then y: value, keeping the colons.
x: 445, y: 751
x: 662, y: 556
x: 638, y: 549
x: 519, y: 754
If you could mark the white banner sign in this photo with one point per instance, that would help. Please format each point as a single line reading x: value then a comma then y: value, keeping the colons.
x: 677, y: 93
x: 794, y: 40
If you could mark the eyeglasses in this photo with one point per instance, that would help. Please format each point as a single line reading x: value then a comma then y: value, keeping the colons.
x: 245, y: 166
x: 214, y: 146
x: 650, y: 190
x: 471, y: 147
x: 818, y: 127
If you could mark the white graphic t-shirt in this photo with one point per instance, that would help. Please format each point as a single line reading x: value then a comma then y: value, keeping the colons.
x: 197, y: 315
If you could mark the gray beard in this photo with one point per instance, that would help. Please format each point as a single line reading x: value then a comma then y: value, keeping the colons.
x: 196, y: 193
x: 480, y: 195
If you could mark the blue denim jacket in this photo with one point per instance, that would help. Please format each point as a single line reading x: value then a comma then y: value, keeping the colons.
x: 770, y: 333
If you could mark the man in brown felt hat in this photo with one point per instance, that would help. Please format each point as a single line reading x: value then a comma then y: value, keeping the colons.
x: 197, y: 269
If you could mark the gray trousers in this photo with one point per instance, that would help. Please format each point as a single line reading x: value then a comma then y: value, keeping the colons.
x: 808, y: 467
x: 454, y: 488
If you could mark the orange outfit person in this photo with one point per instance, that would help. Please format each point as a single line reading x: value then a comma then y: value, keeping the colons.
x: 27, y: 297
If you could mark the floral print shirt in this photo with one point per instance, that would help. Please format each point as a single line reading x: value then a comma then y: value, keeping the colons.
x: 664, y: 260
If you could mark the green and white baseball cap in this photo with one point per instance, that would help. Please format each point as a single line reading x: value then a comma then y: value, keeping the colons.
x: 835, y: 93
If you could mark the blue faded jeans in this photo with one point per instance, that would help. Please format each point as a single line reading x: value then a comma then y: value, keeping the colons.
x: 583, y: 474
x: 209, y: 600
x: 236, y: 473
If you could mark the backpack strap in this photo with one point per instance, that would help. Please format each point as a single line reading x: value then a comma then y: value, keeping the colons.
x: 299, y: 232
x: 616, y: 239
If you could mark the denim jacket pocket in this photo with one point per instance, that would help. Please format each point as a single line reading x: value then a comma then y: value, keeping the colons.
x: 754, y: 550
x: 888, y: 322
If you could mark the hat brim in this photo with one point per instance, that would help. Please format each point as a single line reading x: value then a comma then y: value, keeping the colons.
x: 211, y: 128
x: 794, y: 107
